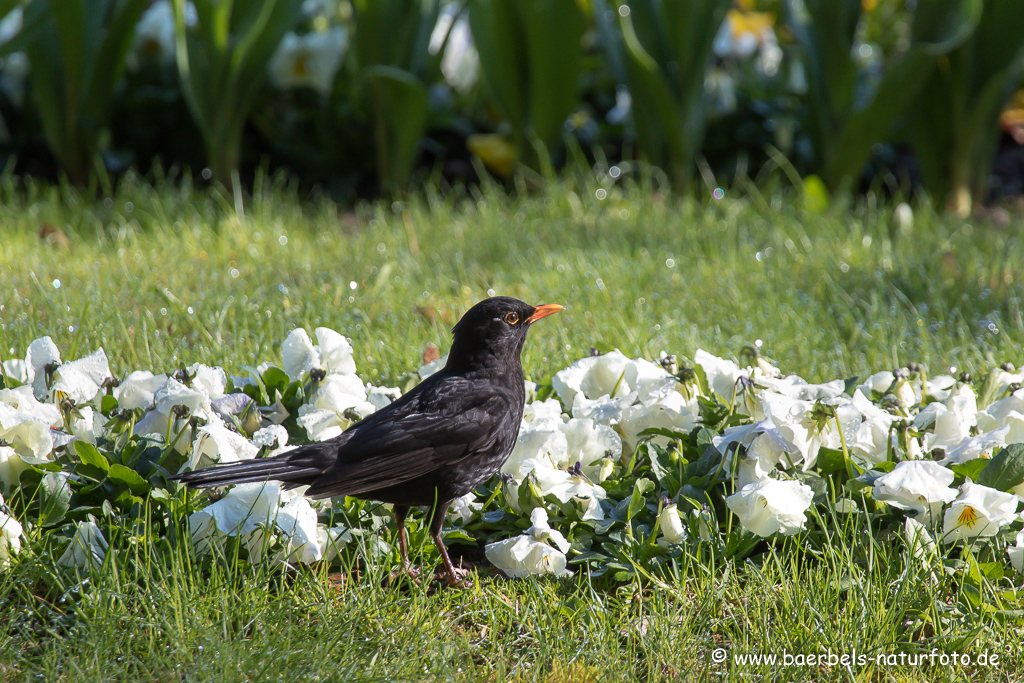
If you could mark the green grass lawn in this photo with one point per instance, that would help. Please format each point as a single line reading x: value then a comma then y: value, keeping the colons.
x: 165, y: 277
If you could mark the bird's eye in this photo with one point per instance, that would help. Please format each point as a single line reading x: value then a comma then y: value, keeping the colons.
x: 512, y: 317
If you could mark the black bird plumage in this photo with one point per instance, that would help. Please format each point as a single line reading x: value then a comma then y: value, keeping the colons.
x: 436, y: 443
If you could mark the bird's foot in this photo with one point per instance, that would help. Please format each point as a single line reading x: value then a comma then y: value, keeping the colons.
x: 458, y: 578
x: 407, y: 572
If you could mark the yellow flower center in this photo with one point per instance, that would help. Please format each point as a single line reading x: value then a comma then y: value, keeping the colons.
x: 968, y: 517
x: 301, y: 68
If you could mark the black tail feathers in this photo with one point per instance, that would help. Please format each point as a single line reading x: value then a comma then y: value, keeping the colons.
x: 299, y: 467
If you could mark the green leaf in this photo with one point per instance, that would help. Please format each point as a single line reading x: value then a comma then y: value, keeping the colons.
x: 1005, y: 470
x: 970, y: 469
x: 401, y: 110
x: 55, y: 499
x: 637, y: 500
x: 130, y: 478
x: 90, y: 455
x: 830, y: 460
x: 274, y: 378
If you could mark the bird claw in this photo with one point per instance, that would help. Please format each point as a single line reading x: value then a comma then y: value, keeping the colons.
x: 408, y: 572
x: 460, y: 578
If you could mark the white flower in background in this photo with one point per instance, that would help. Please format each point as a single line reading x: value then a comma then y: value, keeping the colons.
x: 594, y: 376
x: 919, y: 540
x: 309, y: 60
x: 22, y: 399
x: 605, y: 410
x: 10, y: 537
x: 951, y: 423
x: 16, y: 369
x: 324, y: 416
x: 978, y: 511
x: 1004, y: 412
x: 173, y: 393
x: 671, y: 524
x: 138, y: 389
x: 460, y: 62
x: 81, y: 379
x: 721, y: 91
x: 540, y: 438
x: 296, y: 521
x: 1002, y: 379
x: 335, y: 352
x: 216, y: 444
x: 154, y: 36
x: 920, y: 485
x: 548, y: 410
x: 90, y: 426
x: 1016, y: 553
x: 798, y: 388
x: 14, y: 66
x: 978, y: 446
x: 88, y: 547
x: 905, y: 394
x: 529, y: 553
x: 771, y: 505
x: 796, y: 422
x: 432, y: 367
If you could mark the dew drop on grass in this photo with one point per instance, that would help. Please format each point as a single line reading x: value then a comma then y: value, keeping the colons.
x: 234, y: 272
x: 56, y: 284
x: 670, y: 263
x: 282, y: 240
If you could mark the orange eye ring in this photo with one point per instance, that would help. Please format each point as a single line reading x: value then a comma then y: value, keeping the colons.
x: 512, y: 318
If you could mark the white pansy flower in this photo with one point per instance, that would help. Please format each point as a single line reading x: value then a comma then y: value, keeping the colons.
x: 538, y: 439
x: 41, y: 353
x: 920, y: 485
x: 588, y: 443
x: 173, y: 393
x: 299, y: 354
x: 216, y: 444
x: 460, y: 62
x: 335, y: 352
x: 764, y: 444
x: 549, y: 409
x: 274, y: 437
x: 27, y: 433
x: 299, y: 533
x: 977, y: 446
x: 529, y: 553
x: 594, y: 377
x: 940, y: 387
x: 23, y: 400
x: 1001, y: 412
x: 462, y: 509
x: 324, y: 417
x: 952, y: 421
x: 11, y: 467
x: 81, y: 379
x: 669, y: 411
x: 210, y: 380
x: 88, y: 427
x: 560, y: 483
x: 723, y: 375
x: 770, y: 506
x: 154, y: 36
x: 878, y: 383
x: 978, y: 511
x: 88, y: 547
x: 872, y: 438
x: 671, y: 524
x: 241, y: 512
x: 17, y: 369
x: 605, y: 409
x: 10, y: 537
x: 381, y: 397
x: 138, y: 389
x: 1016, y: 553
x: 309, y: 60
x: 798, y: 388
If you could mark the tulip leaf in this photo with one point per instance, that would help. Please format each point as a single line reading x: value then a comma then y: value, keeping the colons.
x: 55, y: 496
x: 1005, y: 470
x: 399, y: 101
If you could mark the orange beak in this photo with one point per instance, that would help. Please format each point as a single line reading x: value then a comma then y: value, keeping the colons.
x: 543, y: 312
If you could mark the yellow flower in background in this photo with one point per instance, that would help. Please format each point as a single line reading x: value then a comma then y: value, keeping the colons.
x: 1012, y: 118
x: 754, y: 23
x: 497, y: 153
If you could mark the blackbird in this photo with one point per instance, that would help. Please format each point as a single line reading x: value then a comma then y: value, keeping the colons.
x: 438, y: 442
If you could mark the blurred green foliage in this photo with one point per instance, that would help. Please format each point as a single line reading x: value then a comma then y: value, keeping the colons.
x: 362, y: 97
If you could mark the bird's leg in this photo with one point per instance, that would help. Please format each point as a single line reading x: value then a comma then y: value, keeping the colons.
x: 412, y: 572
x: 456, y: 577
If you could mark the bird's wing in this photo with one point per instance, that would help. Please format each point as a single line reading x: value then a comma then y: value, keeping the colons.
x: 448, y: 423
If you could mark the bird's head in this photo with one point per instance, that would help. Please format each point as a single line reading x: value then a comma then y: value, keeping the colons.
x: 493, y: 332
